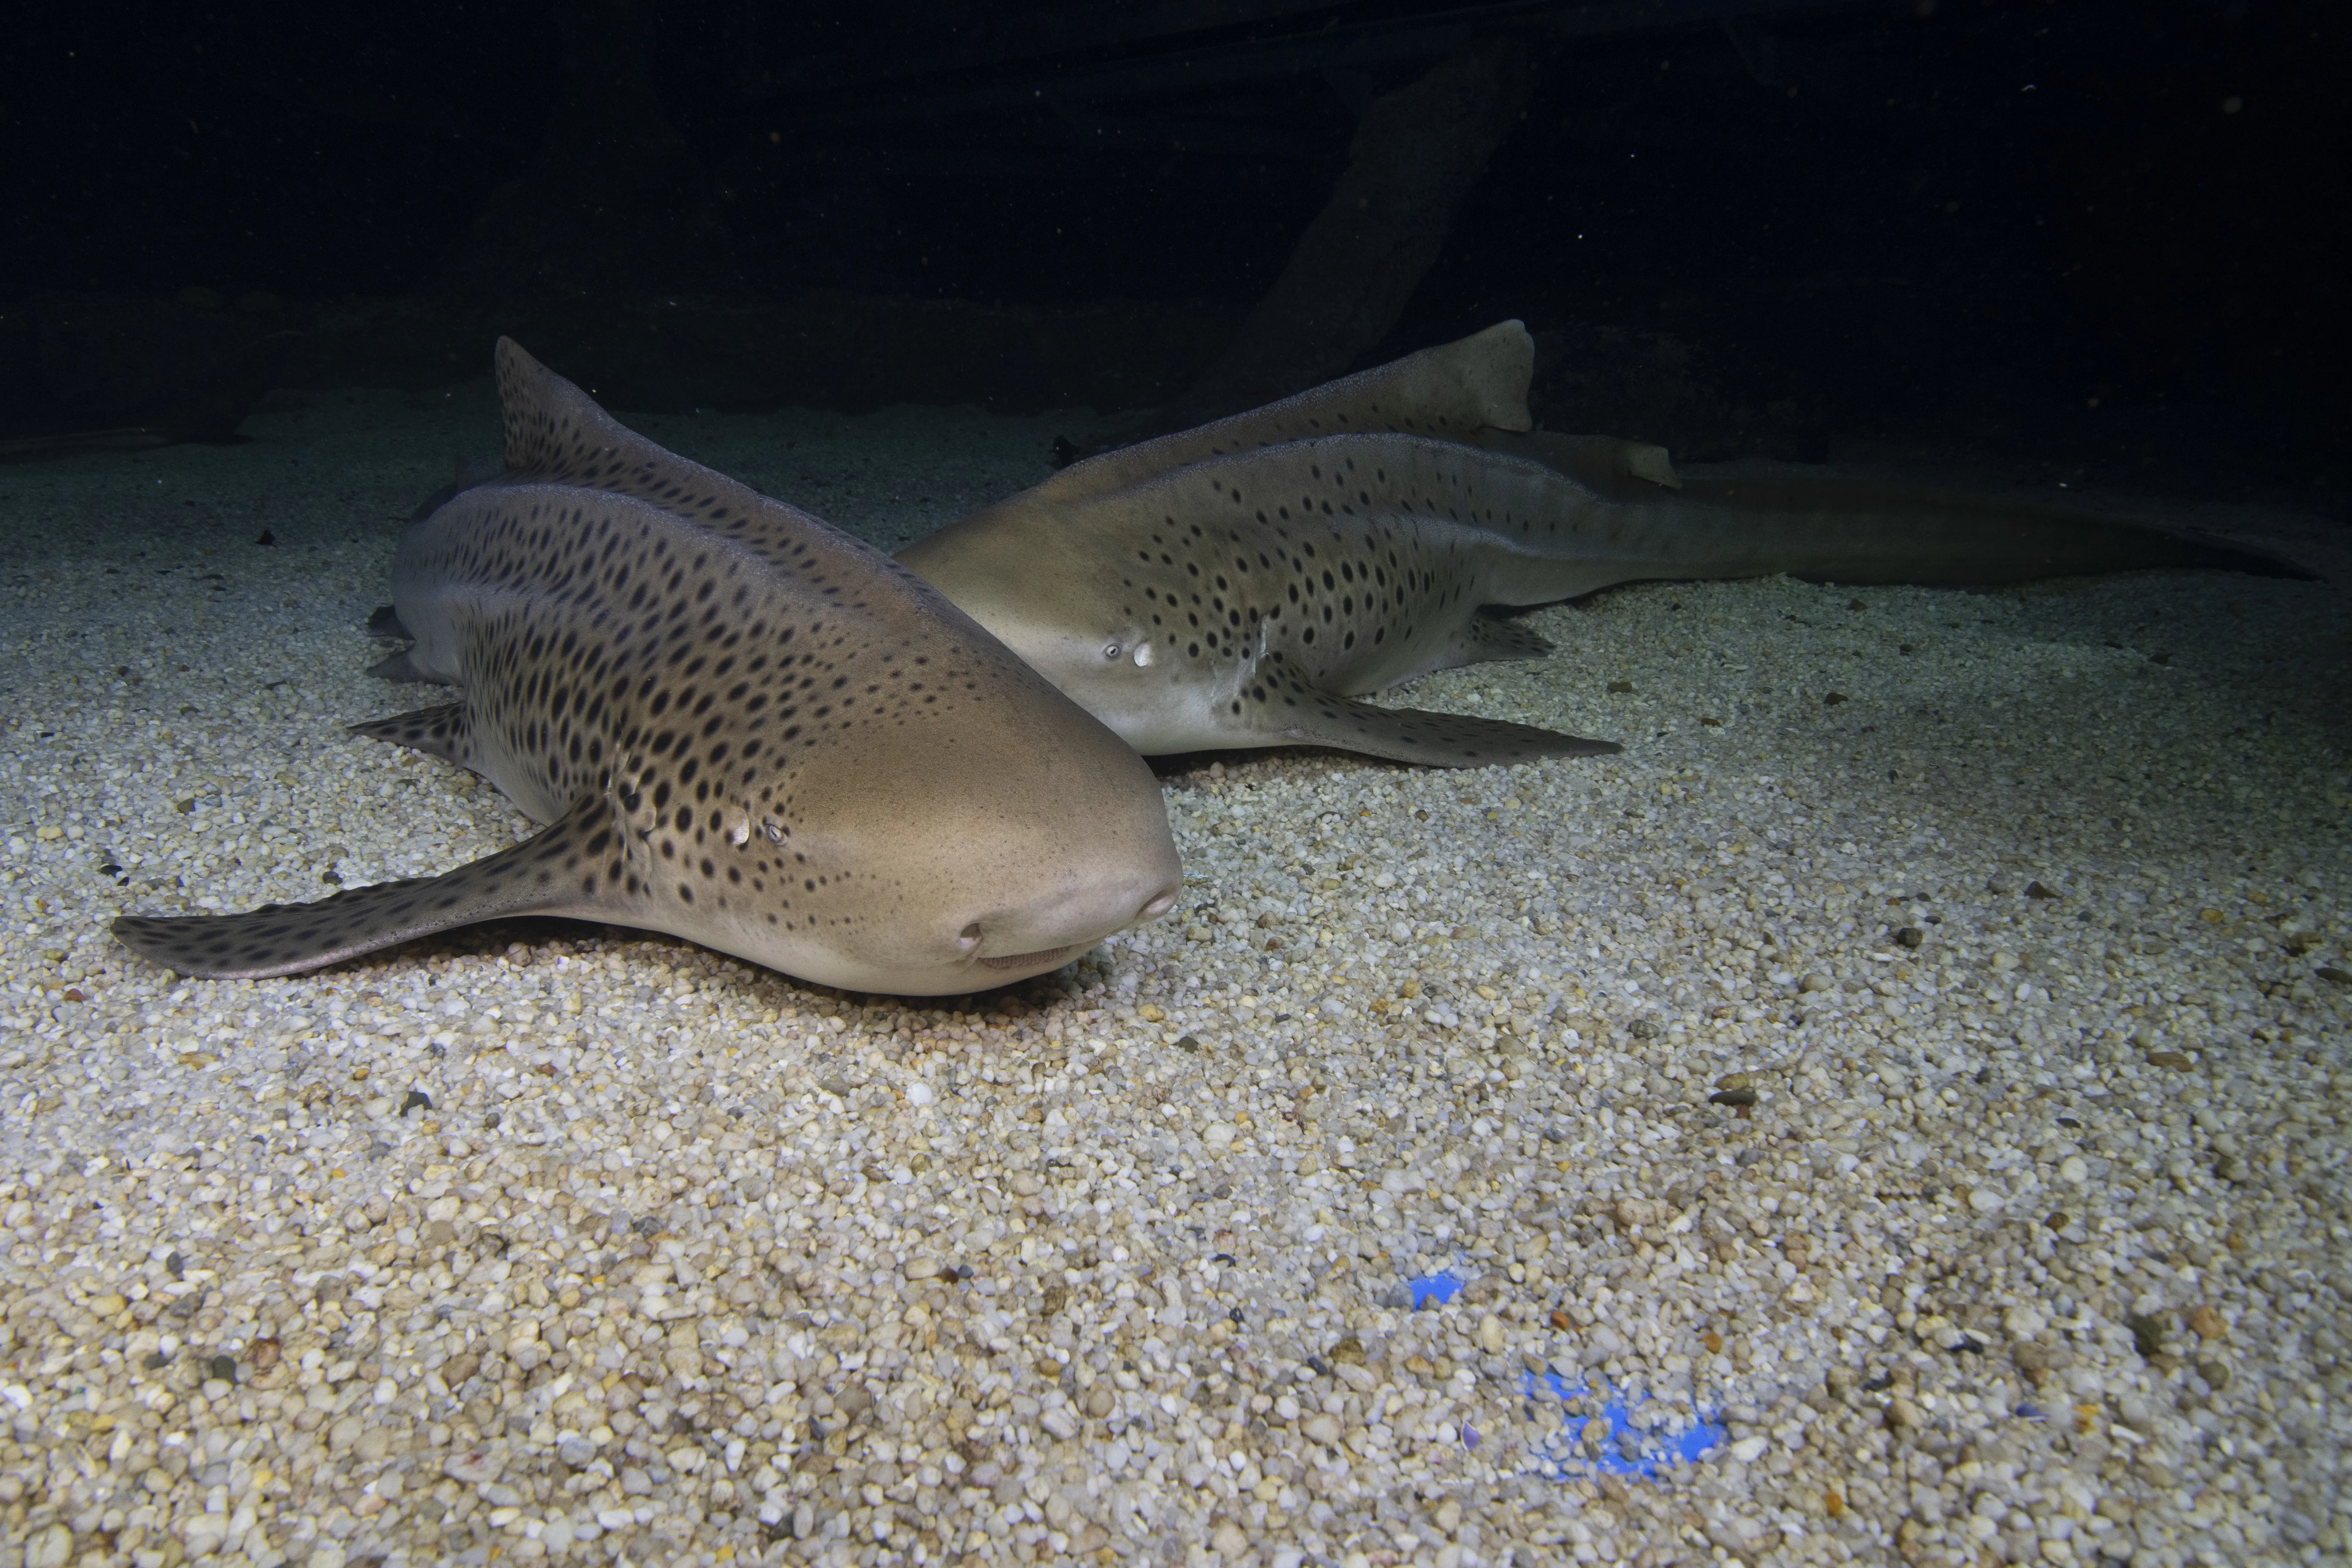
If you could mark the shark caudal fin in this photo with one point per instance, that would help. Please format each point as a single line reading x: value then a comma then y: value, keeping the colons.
x: 557, y: 871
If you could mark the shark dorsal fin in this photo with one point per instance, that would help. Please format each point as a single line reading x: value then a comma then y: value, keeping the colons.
x: 1451, y: 392
x: 555, y: 431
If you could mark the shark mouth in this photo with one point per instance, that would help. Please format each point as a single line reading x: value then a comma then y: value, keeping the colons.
x: 1043, y: 958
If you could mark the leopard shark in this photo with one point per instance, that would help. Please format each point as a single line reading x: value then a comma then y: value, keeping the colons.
x: 741, y: 726
x: 1245, y: 583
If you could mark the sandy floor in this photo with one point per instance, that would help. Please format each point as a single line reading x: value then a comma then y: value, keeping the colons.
x: 1914, y: 1075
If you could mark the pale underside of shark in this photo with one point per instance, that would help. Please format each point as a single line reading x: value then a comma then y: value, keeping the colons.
x: 1242, y: 584
x: 741, y: 726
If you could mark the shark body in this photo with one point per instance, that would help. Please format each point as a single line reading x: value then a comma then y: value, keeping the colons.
x: 741, y: 726
x: 1243, y: 583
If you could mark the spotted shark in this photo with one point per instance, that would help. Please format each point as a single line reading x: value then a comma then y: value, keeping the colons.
x: 742, y: 727
x: 1243, y: 583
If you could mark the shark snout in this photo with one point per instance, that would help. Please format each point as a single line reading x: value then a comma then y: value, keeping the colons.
x: 1050, y: 931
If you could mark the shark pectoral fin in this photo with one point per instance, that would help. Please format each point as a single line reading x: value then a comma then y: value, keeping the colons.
x: 444, y: 731
x: 555, y: 872
x: 1645, y: 461
x: 406, y: 671
x: 384, y: 622
x: 1488, y: 639
x: 1432, y: 740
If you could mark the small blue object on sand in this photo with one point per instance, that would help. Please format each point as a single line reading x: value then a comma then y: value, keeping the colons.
x: 1626, y: 1450
x: 1432, y: 1289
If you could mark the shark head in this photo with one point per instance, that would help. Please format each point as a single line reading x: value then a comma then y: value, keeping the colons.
x: 928, y: 858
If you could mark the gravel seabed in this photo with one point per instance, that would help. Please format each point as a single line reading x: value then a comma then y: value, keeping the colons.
x: 1922, y: 1055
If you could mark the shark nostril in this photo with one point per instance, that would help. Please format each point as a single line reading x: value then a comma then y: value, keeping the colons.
x: 1157, y: 907
x: 970, y: 939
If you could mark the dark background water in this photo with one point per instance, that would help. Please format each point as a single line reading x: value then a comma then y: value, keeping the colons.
x: 2105, y: 230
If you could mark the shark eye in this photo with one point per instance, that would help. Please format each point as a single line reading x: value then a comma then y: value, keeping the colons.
x: 1111, y: 650
x: 774, y: 830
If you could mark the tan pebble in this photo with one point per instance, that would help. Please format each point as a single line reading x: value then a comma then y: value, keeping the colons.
x: 474, y: 1466
x: 1905, y: 1416
x: 922, y: 1266
x: 2209, y: 1323
x: 2173, y: 1060
x: 1534, y: 1246
x: 1323, y: 1429
x: 1816, y: 981
x: 1151, y: 1014
x: 1229, y: 1540
x: 261, y: 1355
x: 1734, y: 1080
x: 1410, y: 990
x: 1636, y: 1211
x: 1448, y: 1516
x: 1490, y: 1334
x: 1348, y: 1351
x: 50, y: 1548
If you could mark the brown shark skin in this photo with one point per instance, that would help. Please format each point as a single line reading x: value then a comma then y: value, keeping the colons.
x: 743, y: 727
x: 1238, y: 584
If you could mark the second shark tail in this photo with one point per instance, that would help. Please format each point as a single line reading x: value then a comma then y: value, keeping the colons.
x: 1862, y: 531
